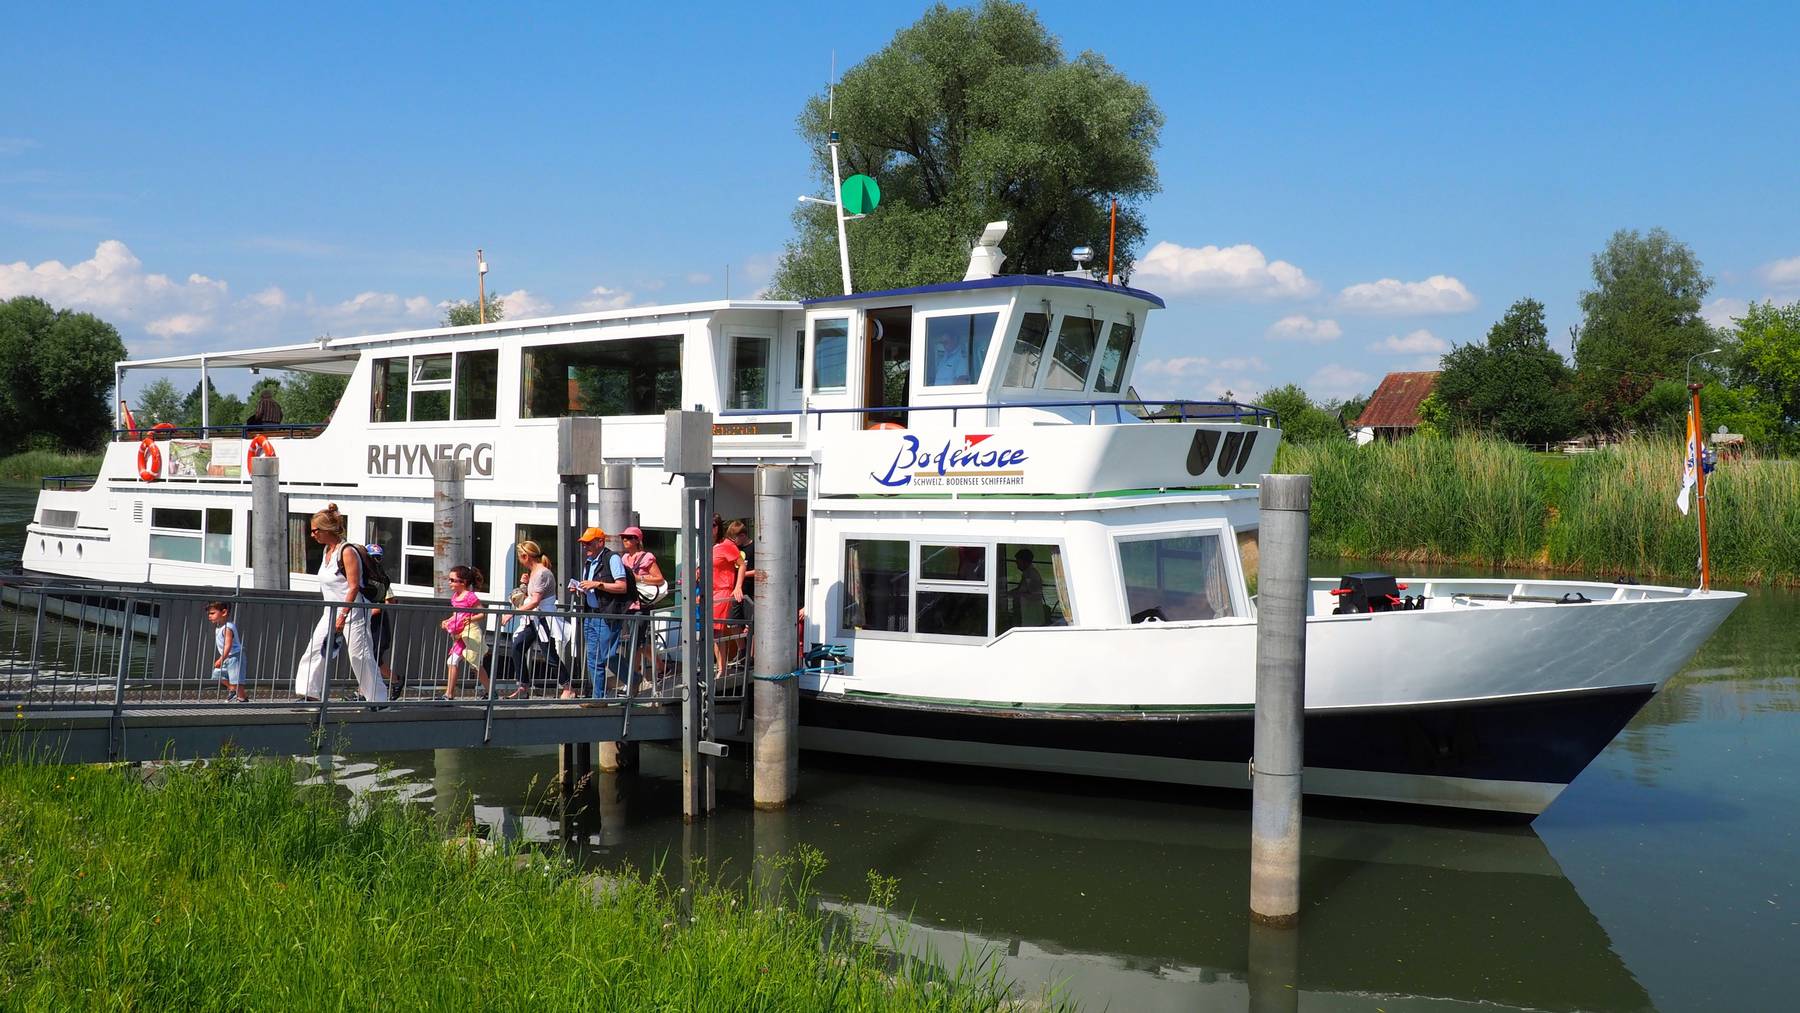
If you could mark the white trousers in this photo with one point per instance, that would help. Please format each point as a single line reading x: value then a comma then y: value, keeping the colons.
x: 309, y: 678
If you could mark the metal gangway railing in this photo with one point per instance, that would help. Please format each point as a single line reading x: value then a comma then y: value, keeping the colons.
x: 134, y: 662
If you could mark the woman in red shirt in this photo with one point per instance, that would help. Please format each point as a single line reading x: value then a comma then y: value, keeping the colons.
x: 727, y: 589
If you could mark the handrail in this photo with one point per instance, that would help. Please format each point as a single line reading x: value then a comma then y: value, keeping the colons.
x: 1184, y: 410
x: 294, y: 431
x: 68, y: 482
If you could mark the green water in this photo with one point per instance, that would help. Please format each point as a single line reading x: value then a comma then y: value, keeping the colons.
x: 1664, y: 877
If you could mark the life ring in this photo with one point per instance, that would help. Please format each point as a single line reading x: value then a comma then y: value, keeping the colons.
x: 149, y: 460
x: 884, y: 425
x: 259, y: 447
x: 160, y: 427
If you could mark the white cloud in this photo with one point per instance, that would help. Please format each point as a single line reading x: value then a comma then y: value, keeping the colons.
x: 1720, y: 311
x: 603, y: 298
x: 1213, y: 270
x: 1300, y: 327
x: 522, y: 305
x: 1335, y: 381
x: 112, y: 283
x: 699, y: 278
x: 270, y: 298
x: 1198, y: 377
x: 179, y: 324
x: 1784, y: 274
x: 1436, y: 294
x: 1419, y: 342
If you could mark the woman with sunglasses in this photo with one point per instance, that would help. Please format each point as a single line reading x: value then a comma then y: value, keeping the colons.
x: 340, y: 582
x: 465, y: 629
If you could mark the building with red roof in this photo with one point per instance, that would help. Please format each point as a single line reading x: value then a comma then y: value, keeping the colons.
x: 1393, y: 410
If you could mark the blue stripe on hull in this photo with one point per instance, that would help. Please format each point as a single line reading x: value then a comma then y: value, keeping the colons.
x: 1541, y: 739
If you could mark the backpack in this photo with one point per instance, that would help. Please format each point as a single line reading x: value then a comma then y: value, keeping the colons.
x: 610, y: 603
x: 367, y: 576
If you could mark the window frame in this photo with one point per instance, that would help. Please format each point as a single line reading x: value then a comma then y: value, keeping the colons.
x: 989, y: 544
x: 680, y: 337
x: 1234, y: 568
x: 812, y: 352
x: 770, y: 365
x: 921, y: 344
x: 197, y: 535
x: 446, y: 386
x: 1100, y: 333
x: 1051, y: 319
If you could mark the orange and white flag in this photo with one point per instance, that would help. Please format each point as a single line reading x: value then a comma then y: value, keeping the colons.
x: 1690, y: 472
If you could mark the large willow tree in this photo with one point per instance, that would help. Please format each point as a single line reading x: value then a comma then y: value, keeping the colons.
x: 966, y: 117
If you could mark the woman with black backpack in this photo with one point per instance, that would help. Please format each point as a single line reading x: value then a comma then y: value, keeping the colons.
x: 341, y: 577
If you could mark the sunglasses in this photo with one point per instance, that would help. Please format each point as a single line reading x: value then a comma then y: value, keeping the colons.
x: 457, y: 580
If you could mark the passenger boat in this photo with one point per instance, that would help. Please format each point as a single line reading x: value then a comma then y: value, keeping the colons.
x: 1028, y: 566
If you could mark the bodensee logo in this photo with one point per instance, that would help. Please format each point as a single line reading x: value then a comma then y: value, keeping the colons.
x: 969, y: 463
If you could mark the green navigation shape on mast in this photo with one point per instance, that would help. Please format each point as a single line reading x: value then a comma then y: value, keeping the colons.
x: 860, y: 194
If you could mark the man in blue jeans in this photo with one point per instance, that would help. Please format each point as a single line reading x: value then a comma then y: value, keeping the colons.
x: 605, y: 587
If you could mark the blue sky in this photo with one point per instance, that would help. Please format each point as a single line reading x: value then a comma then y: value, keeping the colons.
x: 1347, y: 190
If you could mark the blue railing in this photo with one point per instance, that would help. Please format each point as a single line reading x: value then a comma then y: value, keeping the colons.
x: 297, y: 431
x: 1158, y: 411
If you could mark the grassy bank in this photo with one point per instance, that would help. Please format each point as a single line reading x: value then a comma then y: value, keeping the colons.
x: 35, y: 464
x: 1610, y: 513
x: 232, y: 887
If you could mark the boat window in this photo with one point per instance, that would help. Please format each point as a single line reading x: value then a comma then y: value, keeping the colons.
x: 431, y: 369
x: 629, y: 376
x: 1027, y: 350
x: 385, y: 532
x: 1034, y: 589
x: 544, y: 535
x: 750, y: 372
x: 953, y: 598
x: 956, y: 346
x: 191, y: 536
x: 387, y: 391
x: 305, y: 553
x: 1112, y: 361
x: 478, y: 384
x: 420, y: 551
x: 877, y: 584
x: 430, y: 405
x: 953, y: 562
x: 1074, y: 353
x: 481, y: 551
x: 1175, y: 577
x: 831, y: 349
x: 799, y: 360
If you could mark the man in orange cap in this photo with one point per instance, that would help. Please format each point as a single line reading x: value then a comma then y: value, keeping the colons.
x: 605, y: 593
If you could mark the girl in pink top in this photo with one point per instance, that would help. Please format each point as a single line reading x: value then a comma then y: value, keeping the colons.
x: 464, y: 627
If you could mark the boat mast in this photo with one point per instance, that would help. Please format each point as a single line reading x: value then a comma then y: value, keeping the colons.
x: 837, y: 181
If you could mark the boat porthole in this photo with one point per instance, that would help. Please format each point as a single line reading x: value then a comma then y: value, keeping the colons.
x: 59, y: 548
x: 77, y: 551
x: 42, y: 547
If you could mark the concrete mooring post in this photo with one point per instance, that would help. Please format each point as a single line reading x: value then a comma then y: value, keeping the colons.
x: 615, y: 516
x: 268, y: 533
x: 1277, y: 760
x: 775, y: 740
x: 577, y: 457
x: 452, y: 529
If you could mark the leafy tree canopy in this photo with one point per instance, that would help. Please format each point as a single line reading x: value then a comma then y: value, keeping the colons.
x: 466, y: 313
x: 1639, y: 324
x: 1764, y: 353
x: 1302, y: 421
x: 1513, y: 386
x: 159, y: 401
x: 56, y: 376
x: 309, y: 398
x: 970, y: 116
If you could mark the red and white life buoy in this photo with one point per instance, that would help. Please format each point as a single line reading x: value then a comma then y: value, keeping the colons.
x: 149, y: 460
x: 259, y: 447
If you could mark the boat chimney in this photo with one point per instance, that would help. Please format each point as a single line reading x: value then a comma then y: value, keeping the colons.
x: 986, y: 258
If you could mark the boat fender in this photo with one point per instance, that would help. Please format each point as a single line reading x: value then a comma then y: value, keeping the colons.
x: 149, y: 460
x: 259, y: 447
x: 1574, y: 598
x: 884, y: 425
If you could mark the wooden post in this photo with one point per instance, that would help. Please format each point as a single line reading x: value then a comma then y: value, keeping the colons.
x: 615, y: 516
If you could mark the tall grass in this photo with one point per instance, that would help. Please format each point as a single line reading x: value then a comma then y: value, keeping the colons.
x: 1609, y: 513
x: 231, y: 886
x: 1619, y: 516
x: 31, y: 465
x: 1424, y: 500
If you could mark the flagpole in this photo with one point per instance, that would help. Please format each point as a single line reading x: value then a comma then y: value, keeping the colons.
x: 1699, y: 434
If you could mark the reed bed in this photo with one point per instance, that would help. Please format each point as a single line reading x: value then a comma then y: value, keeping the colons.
x: 32, y: 465
x: 1610, y: 513
x: 231, y: 886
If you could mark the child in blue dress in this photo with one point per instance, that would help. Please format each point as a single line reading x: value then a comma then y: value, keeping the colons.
x: 228, y: 667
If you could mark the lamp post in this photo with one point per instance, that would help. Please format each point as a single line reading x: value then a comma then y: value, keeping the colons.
x: 1699, y: 451
x: 480, y: 286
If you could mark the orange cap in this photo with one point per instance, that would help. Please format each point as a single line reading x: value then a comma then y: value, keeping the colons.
x: 592, y: 535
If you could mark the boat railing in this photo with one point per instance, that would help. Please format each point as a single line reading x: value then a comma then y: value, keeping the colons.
x: 67, y: 483
x: 1097, y: 411
x: 68, y: 644
x: 164, y: 431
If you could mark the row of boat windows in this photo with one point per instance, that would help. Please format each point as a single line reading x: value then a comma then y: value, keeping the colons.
x: 934, y: 589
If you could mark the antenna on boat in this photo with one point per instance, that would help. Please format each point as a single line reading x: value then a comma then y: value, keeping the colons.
x: 837, y: 181
x: 480, y: 286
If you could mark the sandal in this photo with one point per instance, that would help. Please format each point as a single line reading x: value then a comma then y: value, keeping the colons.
x: 517, y: 694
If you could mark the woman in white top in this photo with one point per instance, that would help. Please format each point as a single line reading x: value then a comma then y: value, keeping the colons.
x: 340, y: 580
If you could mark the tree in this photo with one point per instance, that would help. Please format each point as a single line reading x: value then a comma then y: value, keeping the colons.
x: 1764, y: 347
x: 1302, y: 421
x: 225, y: 409
x: 56, y: 375
x: 465, y: 312
x: 1640, y: 322
x: 970, y: 116
x: 1514, y: 385
x: 1350, y: 409
x: 158, y: 402
x: 310, y: 398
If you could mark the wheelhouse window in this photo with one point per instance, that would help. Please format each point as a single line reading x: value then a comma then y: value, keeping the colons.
x: 1169, y: 578
x: 750, y: 372
x: 877, y: 584
x: 1074, y: 354
x: 956, y: 346
x: 1112, y: 361
x: 1034, y: 591
x: 439, y: 387
x: 191, y: 536
x: 627, y: 376
x: 1027, y: 350
x: 831, y: 351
